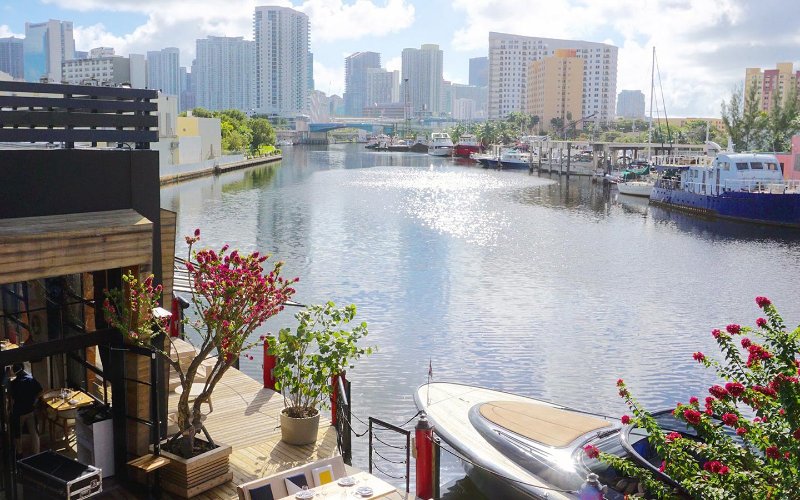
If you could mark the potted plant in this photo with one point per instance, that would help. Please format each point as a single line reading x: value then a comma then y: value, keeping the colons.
x: 306, y: 359
x: 232, y: 296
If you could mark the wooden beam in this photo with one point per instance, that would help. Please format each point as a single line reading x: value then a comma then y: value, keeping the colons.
x: 78, y: 90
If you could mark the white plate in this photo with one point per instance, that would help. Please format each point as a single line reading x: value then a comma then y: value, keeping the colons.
x: 364, y: 491
x: 304, y: 495
x: 346, y: 481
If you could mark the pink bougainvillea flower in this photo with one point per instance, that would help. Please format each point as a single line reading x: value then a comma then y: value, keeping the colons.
x: 672, y: 436
x: 735, y: 389
x: 741, y: 431
x: 626, y: 419
x: 763, y: 302
x: 761, y: 322
x: 591, y: 451
x: 716, y: 333
x: 699, y: 356
x: 773, y: 452
x: 693, y: 401
x: 733, y: 328
x: 718, y: 391
x: 730, y: 419
x: 692, y: 416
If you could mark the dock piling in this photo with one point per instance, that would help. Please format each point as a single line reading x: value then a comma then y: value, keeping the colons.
x: 269, y: 365
x: 423, y: 437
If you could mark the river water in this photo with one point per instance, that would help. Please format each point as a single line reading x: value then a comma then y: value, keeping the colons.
x: 547, y: 287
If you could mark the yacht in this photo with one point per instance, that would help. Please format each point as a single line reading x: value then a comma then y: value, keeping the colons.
x: 440, y: 144
x: 466, y: 146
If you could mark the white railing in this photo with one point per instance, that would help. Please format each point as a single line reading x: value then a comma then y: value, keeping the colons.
x: 764, y: 186
x: 682, y: 160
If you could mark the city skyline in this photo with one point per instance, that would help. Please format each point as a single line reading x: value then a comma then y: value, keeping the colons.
x: 702, y: 51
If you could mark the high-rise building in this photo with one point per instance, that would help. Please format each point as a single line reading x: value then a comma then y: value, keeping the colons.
x: 11, y: 59
x: 164, y: 71
x: 105, y: 70
x: 223, y: 72
x: 555, y: 90
x: 101, y: 52
x: 630, y: 104
x: 422, y: 79
x: 356, y: 67
x: 479, y: 71
x: 46, y: 46
x: 82, y: 54
x: 382, y: 86
x: 282, y: 66
x: 138, y: 71
x: 772, y: 84
x: 509, y: 61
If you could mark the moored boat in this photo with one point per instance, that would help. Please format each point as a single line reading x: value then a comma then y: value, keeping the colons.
x: 641, y: 187
x: 742, y: 186
x: 518, y: 447
x: 466, y: 146
x: 440, y: 145
x: 513, y: 158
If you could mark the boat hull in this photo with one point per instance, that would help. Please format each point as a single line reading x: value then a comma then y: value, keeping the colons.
x: 515, y: 165
x: 463, y: 151
x: 762, y: 208
x: 635, y: 188
x: 440, y: 151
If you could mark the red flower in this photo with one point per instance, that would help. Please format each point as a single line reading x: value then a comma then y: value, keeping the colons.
x: 197, y: 233
x: 734, y: 388
x: 591, y: 451
x: 672, y: 436
x: 626, y: 419
x: 692, y: 416
x: 761, y: 322
x: 730, y: 419
x: 663, y: 466
x: 716, y: 467
x: 733, y: 328
x: 693, y: 400
x: 772, y: 452
x: 796, y: 434
x: 716, y: 333
x: 718, y: 391
x: 620, y: 382
x: 763, y: 302
x: 699, y: 356
x: 746, y: 342
x: 741, y: 431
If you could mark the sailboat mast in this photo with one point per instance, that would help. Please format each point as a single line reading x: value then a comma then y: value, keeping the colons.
x: 652, y: 92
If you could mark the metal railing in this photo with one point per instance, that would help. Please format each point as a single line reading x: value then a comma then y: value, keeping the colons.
x: 344, y: 431
x: 682, y: 160
x: 381, y: 425
x: 760, y: 186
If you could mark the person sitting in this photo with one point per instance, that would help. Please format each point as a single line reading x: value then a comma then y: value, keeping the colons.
x: 25, y: 391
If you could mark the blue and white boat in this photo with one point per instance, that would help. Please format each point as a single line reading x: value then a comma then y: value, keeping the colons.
x: 742, y: 186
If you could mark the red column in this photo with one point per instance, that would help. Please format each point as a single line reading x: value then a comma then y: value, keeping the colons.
x: 269, y: 364
x: 423, y: 434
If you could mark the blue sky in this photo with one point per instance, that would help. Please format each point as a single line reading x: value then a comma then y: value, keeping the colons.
x: 703, y: 46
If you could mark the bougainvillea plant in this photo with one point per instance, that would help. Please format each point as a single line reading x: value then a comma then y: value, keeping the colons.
x: 232, y: 294
x: 748, y: 426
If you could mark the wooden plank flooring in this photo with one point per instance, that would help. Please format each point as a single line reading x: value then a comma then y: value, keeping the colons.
x: 246, y: 417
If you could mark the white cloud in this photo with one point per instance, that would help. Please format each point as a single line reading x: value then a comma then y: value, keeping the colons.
x: 6, y: 32
x: 171, y: 24
x: 703, y: 48
x: 394, y: 64
x: 329, y: 80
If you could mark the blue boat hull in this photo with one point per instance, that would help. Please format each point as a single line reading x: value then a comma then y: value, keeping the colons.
x: 763, y: 208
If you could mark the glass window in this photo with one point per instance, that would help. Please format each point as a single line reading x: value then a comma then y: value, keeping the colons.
x: 756, y: 165
x: 725, y: 165
x: 741, y: 166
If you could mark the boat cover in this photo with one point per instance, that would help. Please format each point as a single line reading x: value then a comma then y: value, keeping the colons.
x: 545, y: 424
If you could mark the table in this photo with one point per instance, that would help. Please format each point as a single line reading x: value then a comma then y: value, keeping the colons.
x: 194, y: 391
x: 64, y: 409
x: 380, y: 488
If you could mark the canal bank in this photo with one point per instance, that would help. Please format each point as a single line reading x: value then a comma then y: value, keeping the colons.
x: 195, y: 170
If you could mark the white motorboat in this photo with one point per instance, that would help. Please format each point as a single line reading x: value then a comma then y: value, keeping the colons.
x: 518, y: 447
x: 440, y: 145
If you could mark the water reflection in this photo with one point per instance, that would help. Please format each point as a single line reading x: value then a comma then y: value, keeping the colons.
x: 544, y: 286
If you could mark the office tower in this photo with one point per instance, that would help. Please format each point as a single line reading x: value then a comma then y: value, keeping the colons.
x: 282, y: 71
x: 223, y: 71
x: 356, y: 67
x: 101, y: 52
x: 47, y: 45
x: 100, y: 70
x: 164, y: 71
x: 509, y: 61
x: 479, y: 71
x: 630, y: 104
x: 382, y: 87
x: 138, y: 71
x: 555, y: 90
x: 422, y: 79
x: 11, y: 59
x: 771, y: 84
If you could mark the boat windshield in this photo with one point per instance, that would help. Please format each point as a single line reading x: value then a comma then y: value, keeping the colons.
x: 619, y: 486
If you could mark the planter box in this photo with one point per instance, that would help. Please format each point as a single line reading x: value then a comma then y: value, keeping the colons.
x: 189, y: 477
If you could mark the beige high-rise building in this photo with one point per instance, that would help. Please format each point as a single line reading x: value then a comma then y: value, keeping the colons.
x: 555, y: 89
x: 771, y: 84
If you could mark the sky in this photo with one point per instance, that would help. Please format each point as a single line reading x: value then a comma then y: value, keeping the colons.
x: 702, y: 46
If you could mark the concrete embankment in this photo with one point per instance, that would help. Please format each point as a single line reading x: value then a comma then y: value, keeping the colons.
x: 203, y: 171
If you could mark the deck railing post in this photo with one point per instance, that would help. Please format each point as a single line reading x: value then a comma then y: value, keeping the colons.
x: 423, y: 436
x: 348, y: 434
x: 334, y: 398
x: 269, y: 365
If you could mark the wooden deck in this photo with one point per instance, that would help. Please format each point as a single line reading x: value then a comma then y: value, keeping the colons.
x: 246, y: 416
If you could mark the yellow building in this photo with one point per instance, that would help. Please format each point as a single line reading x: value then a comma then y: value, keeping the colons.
x: 555, y: 88
x: 771, y: 84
